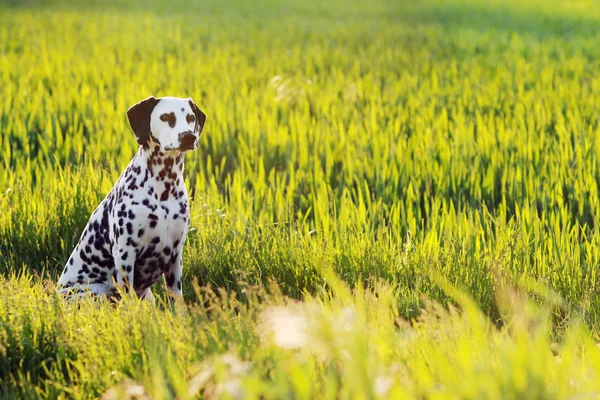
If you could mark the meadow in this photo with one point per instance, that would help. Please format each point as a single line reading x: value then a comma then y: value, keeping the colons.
x: 391, y: 199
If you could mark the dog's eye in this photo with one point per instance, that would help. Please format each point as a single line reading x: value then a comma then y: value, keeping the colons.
x: 191, y: 118
x: 164, y: 117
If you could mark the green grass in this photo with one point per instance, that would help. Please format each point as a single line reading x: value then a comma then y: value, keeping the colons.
x: 371, y: 160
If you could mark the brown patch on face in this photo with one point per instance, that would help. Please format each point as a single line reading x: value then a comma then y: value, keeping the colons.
x: 190, y: 118
x: 170, y: 118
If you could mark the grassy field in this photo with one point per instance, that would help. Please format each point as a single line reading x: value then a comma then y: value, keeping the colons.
x: 392, y: 199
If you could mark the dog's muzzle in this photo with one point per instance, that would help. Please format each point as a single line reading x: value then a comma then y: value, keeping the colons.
x: 187, y: 141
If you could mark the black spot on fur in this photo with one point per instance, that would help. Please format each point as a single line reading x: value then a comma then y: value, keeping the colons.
x: 145, y: 179
x: 171, y: 280
x: 99, y: 243
x: 84, y: 257
x: 95, y: 259
x: 182, y: 208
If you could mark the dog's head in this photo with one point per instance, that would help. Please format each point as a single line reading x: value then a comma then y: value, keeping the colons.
x: 173, y: 123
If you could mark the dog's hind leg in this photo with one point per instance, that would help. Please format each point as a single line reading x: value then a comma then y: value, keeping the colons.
x: 84, y: 289
x: 148, y: 296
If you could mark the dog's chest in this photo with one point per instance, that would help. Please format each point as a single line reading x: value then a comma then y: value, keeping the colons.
x: 168, y: 222
x: 159, y: 228
x: 163, y: 223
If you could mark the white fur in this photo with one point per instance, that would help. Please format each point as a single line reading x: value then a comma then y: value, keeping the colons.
x: 138, y: 231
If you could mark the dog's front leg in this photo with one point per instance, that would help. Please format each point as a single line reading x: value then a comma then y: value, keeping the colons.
x: 173, y: 277
x: 173, y: 280
x: 124, y: 257
x: 148, y: 296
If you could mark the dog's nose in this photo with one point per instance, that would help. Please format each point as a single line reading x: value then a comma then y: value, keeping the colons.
x: 187, y: 139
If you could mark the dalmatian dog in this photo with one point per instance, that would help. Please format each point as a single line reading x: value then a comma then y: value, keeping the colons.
x: 137, y: 232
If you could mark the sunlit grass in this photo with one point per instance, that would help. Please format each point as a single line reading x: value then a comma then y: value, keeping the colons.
x: 340, y: 344
x: 431, y: 155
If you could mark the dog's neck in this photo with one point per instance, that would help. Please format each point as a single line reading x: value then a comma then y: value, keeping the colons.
x: 165, y: 167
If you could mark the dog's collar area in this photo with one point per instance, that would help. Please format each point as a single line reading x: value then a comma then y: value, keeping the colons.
x: 157, y: 159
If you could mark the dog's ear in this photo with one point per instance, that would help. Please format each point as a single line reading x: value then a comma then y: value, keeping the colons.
x: 200, y: 117
x: 139, y: 118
